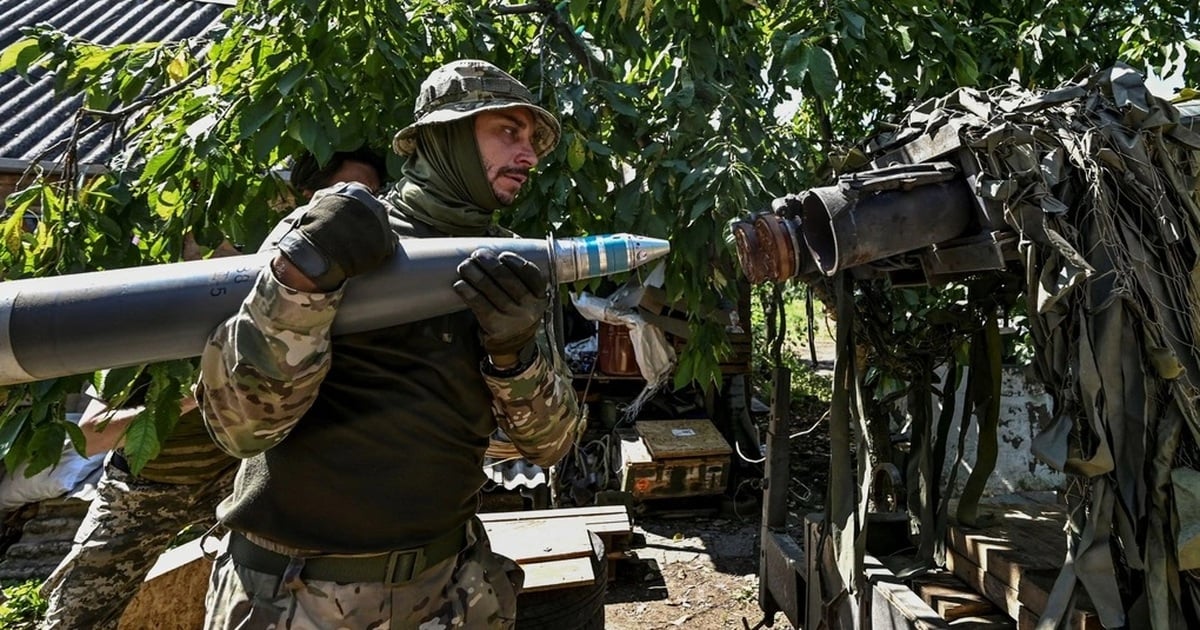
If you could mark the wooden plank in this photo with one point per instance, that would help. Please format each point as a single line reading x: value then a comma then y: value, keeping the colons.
x: 1022, y: 548
x: 951, y: 597
x: 600, y: 525
x: 608, y: 522
x: 1020, y: 538
x: 184, y: 554
x: 554, y: 574
x: 533, y: 515
x: 893, y: 604
x: 553, y: 546
x: 984, y: 583
x: 1025, y: 600
x: 666, y: 439
x: 538, y: 541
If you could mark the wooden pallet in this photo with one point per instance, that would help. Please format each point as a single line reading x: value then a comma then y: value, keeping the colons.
x: 1014, y: 560
x: 553, y: 546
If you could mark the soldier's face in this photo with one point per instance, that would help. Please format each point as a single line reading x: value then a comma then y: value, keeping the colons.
x: 505, y: 140
x: 361, y: 172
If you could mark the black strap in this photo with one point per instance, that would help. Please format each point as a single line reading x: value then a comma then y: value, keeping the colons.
x: 396, y: 567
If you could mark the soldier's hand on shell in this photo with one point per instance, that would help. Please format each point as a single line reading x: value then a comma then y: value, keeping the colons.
x: 508, y: 295
x: 343, y: 233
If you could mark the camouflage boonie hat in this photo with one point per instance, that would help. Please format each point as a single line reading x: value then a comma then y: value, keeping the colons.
x: 469, y: 86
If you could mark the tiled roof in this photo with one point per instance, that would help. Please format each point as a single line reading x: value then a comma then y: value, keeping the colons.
x: 32, y: 118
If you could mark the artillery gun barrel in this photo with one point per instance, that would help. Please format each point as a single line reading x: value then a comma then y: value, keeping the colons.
x: 72, y: 324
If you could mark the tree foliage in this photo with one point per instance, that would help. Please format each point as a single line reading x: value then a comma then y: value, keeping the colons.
x: 677, y: 117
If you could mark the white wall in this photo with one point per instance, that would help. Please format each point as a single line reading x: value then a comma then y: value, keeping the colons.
x: 1024, y: 409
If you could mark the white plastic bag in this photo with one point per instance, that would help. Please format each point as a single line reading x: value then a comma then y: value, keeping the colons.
x: 72, y: 469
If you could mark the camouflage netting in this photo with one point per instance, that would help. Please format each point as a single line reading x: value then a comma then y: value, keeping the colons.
x: 1099, y: 181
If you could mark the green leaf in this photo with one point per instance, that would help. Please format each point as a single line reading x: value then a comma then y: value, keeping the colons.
x: 116, y: 385
x: 267, y: 138
x: 598, y: 149
x: 627, y: 205
x: 686, y: 94
x: 199, y: 129
x: 821, y: 72
x: 965, y: 70
x: 75, y: 434
x: 164, y: 161
x: 142, y: 443
x: 576, y: 153
x: 45, y: 446
x: 108, y: 226
x: 19, y: 54
x: 310, y: 133
x: 701, y: 206
x: 906, y: 40
x: 289, y: 78
x: 579, y: 10
x: 255, y: 115
x: 10, y: 428
x: 692, y: 177
x: 17, y: 450
x: 703, y: 56
x: 619, y: 105
x: 793, y: 44
x: 855, y: 23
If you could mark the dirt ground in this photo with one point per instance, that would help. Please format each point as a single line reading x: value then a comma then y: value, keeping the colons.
x: 702, y: 572
x: 696, y: 592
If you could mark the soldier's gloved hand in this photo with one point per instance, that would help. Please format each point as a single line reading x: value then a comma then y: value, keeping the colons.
x: 507, y: 293
x: 344, y: 233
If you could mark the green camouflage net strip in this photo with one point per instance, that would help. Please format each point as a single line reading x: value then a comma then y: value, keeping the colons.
x: 1100, y: 181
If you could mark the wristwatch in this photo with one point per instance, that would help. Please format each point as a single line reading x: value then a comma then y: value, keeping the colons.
x: 525, y: 359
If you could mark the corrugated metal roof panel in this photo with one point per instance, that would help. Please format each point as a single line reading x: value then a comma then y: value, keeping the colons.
x: 34, y: 123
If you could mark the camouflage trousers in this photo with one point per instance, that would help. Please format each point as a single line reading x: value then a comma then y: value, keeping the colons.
x: 475, y: 590
x: 129, y: 523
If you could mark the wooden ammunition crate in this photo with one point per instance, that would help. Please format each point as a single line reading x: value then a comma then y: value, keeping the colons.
x: 552, y: 546
x: 673, y: 458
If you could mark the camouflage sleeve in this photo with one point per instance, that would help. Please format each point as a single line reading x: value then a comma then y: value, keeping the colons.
x: 537, y: 409
x: 261, y: 368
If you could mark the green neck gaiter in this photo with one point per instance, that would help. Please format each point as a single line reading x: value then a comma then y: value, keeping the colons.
x: 444, y: 184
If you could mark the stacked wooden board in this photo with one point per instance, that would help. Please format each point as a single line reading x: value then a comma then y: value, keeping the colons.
x: 553, y: 546
x: 998, y: 574
x: 1014, y: 559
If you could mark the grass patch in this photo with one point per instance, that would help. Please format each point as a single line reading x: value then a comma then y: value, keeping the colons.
x: 21, y: 605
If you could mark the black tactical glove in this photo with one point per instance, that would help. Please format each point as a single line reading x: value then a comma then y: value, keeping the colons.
x: 508, y: 296
x: 343, y: 234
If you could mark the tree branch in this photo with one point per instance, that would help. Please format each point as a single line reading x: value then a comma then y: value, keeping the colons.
x: 574, y: 42
x: 1087, y: 25
x: 520, y: 9
x: 146, y: 100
